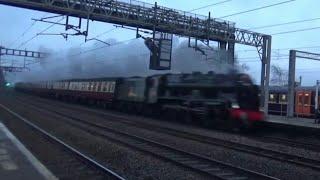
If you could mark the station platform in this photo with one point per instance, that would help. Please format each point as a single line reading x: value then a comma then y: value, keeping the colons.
x: 16, y: 162
x: 296, y: 123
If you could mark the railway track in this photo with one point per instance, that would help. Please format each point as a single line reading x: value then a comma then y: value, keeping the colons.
x: 263, y: 138
x: 195, y: 162
x: 289, y: 142
x: 258, y: 151
x: 72, y: 157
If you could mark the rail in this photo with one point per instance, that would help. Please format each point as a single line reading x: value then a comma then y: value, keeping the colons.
x: 196, y: 162
x: 276, y: 155
x: 66, y: 146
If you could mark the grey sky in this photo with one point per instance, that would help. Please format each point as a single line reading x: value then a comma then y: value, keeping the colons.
x: 14, y: 21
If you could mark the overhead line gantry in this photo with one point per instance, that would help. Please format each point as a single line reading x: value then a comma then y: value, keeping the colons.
x: 20, y: 53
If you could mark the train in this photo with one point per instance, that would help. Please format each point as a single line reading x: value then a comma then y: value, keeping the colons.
x: 304, y: 101
x: 213, y: 100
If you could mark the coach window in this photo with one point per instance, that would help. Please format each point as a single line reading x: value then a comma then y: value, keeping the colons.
x: 99, y: 86
x: 273, y: 98
x: 283, y: 99
x: 78, y: 85
x: 102, y: 86
x: 82, y: 86
x: 107, y: 87
x: 86, y: 86
x: 93, y: 86
x: 300, y: 99
x: 306, y: 99
x: 112, y: 86
x: 89, y: 88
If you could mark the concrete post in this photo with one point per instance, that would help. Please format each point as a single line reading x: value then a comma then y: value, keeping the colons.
x: 231, y: 47
x: 263, y: 72
x: 291, y: 88
x: 267, y: 43
x: 316, y: 104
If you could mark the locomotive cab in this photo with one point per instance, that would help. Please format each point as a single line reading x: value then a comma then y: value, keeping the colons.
x: 246, y: 113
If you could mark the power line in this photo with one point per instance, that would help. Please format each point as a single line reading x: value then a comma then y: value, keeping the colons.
x: 259, y: 57
x: 253, y: 61
x: 94, y: 49
x: 305, y: 72
x: 103, y: 33
x: 307, y: 69
x: 24, y: 43
x: 210, y: 5
x: 108, y: 31
x: 286, y: 23
x: 301, y: 47
x: 25, y: 32
x: 259, y: 8
x: 298, y: 30
x: 13, y: 42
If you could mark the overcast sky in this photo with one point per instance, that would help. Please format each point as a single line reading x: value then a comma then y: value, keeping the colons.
x: 16, y: 21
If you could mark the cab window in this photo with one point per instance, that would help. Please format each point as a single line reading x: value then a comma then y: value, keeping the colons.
x: 273, y: 98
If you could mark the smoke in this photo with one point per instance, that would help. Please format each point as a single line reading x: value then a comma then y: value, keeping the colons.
x: 120, y: 60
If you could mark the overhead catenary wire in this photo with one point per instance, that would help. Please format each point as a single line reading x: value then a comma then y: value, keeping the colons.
x: 259, y: 57
x: 101, y: 34
x: 285, y: 23
x: 105, y: 32
x: 294, y: 31
x: 25, y: 42
x: 24, y: 32
x: 104, y: 46
x: 259, y: 8
x: 277, y: 49
x: 210, y: 5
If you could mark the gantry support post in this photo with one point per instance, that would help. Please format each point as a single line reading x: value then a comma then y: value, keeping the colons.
x: 292, y: 69
x: 265, y: 72
x: 316, y: 101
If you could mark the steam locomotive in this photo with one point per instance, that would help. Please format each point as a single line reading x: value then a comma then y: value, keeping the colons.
x: 228, y: 100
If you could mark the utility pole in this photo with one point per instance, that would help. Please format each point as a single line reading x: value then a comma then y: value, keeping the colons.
x: 300, y: 80
x: 317, y: 95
